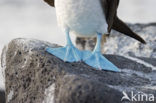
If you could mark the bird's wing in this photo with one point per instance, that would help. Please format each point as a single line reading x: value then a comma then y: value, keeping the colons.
x: 121, y: 27
x: 50, y: 2
x: 110, y: 10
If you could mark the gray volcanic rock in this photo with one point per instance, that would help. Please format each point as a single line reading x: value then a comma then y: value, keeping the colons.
x: 34, y: 76
x: 2, y: 96
x: 118, y: 43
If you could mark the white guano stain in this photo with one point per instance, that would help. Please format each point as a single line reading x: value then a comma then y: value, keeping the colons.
x: 10, y: 95
x: 140, y: 61
x: 49, y: 94
x: 150, y: 87
x: 3, y: 65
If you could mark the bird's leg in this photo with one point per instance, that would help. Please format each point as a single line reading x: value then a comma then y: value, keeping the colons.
x: 103, y: 41
x: 97, y: 60
x: 69, y: 53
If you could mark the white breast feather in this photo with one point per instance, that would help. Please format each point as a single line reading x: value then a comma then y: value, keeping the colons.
x: 84, y: 17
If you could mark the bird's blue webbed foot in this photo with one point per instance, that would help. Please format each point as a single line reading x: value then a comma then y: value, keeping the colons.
x: 69, y: 53
x: 97, y: 60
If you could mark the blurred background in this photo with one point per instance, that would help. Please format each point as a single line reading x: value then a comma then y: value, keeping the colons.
x: 35, y: 19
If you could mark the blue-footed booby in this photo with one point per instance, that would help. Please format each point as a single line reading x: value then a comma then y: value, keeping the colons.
x: 88, y: 18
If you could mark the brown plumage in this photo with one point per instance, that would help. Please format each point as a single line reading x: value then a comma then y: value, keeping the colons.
x: 110, y: 11
x: 50, y: 2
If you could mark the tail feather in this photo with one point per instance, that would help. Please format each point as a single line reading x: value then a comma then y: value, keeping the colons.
x: 120, y: 26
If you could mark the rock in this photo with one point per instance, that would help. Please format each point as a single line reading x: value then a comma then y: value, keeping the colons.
x: 34, y: 76
x: 118, y: 43
x: 2, y: 96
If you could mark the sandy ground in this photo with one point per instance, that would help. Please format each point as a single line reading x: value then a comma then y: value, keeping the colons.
x: 35, y: 19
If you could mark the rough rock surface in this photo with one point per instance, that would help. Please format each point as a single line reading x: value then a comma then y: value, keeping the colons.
x: 118, y: 43
x: 2, y: 96
x: 34, y: 76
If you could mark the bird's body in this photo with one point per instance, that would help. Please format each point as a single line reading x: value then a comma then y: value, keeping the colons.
x: 83, y: 17
x: 88, y: 18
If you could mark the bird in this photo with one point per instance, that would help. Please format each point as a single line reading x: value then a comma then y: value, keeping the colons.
x: 88, y: 18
